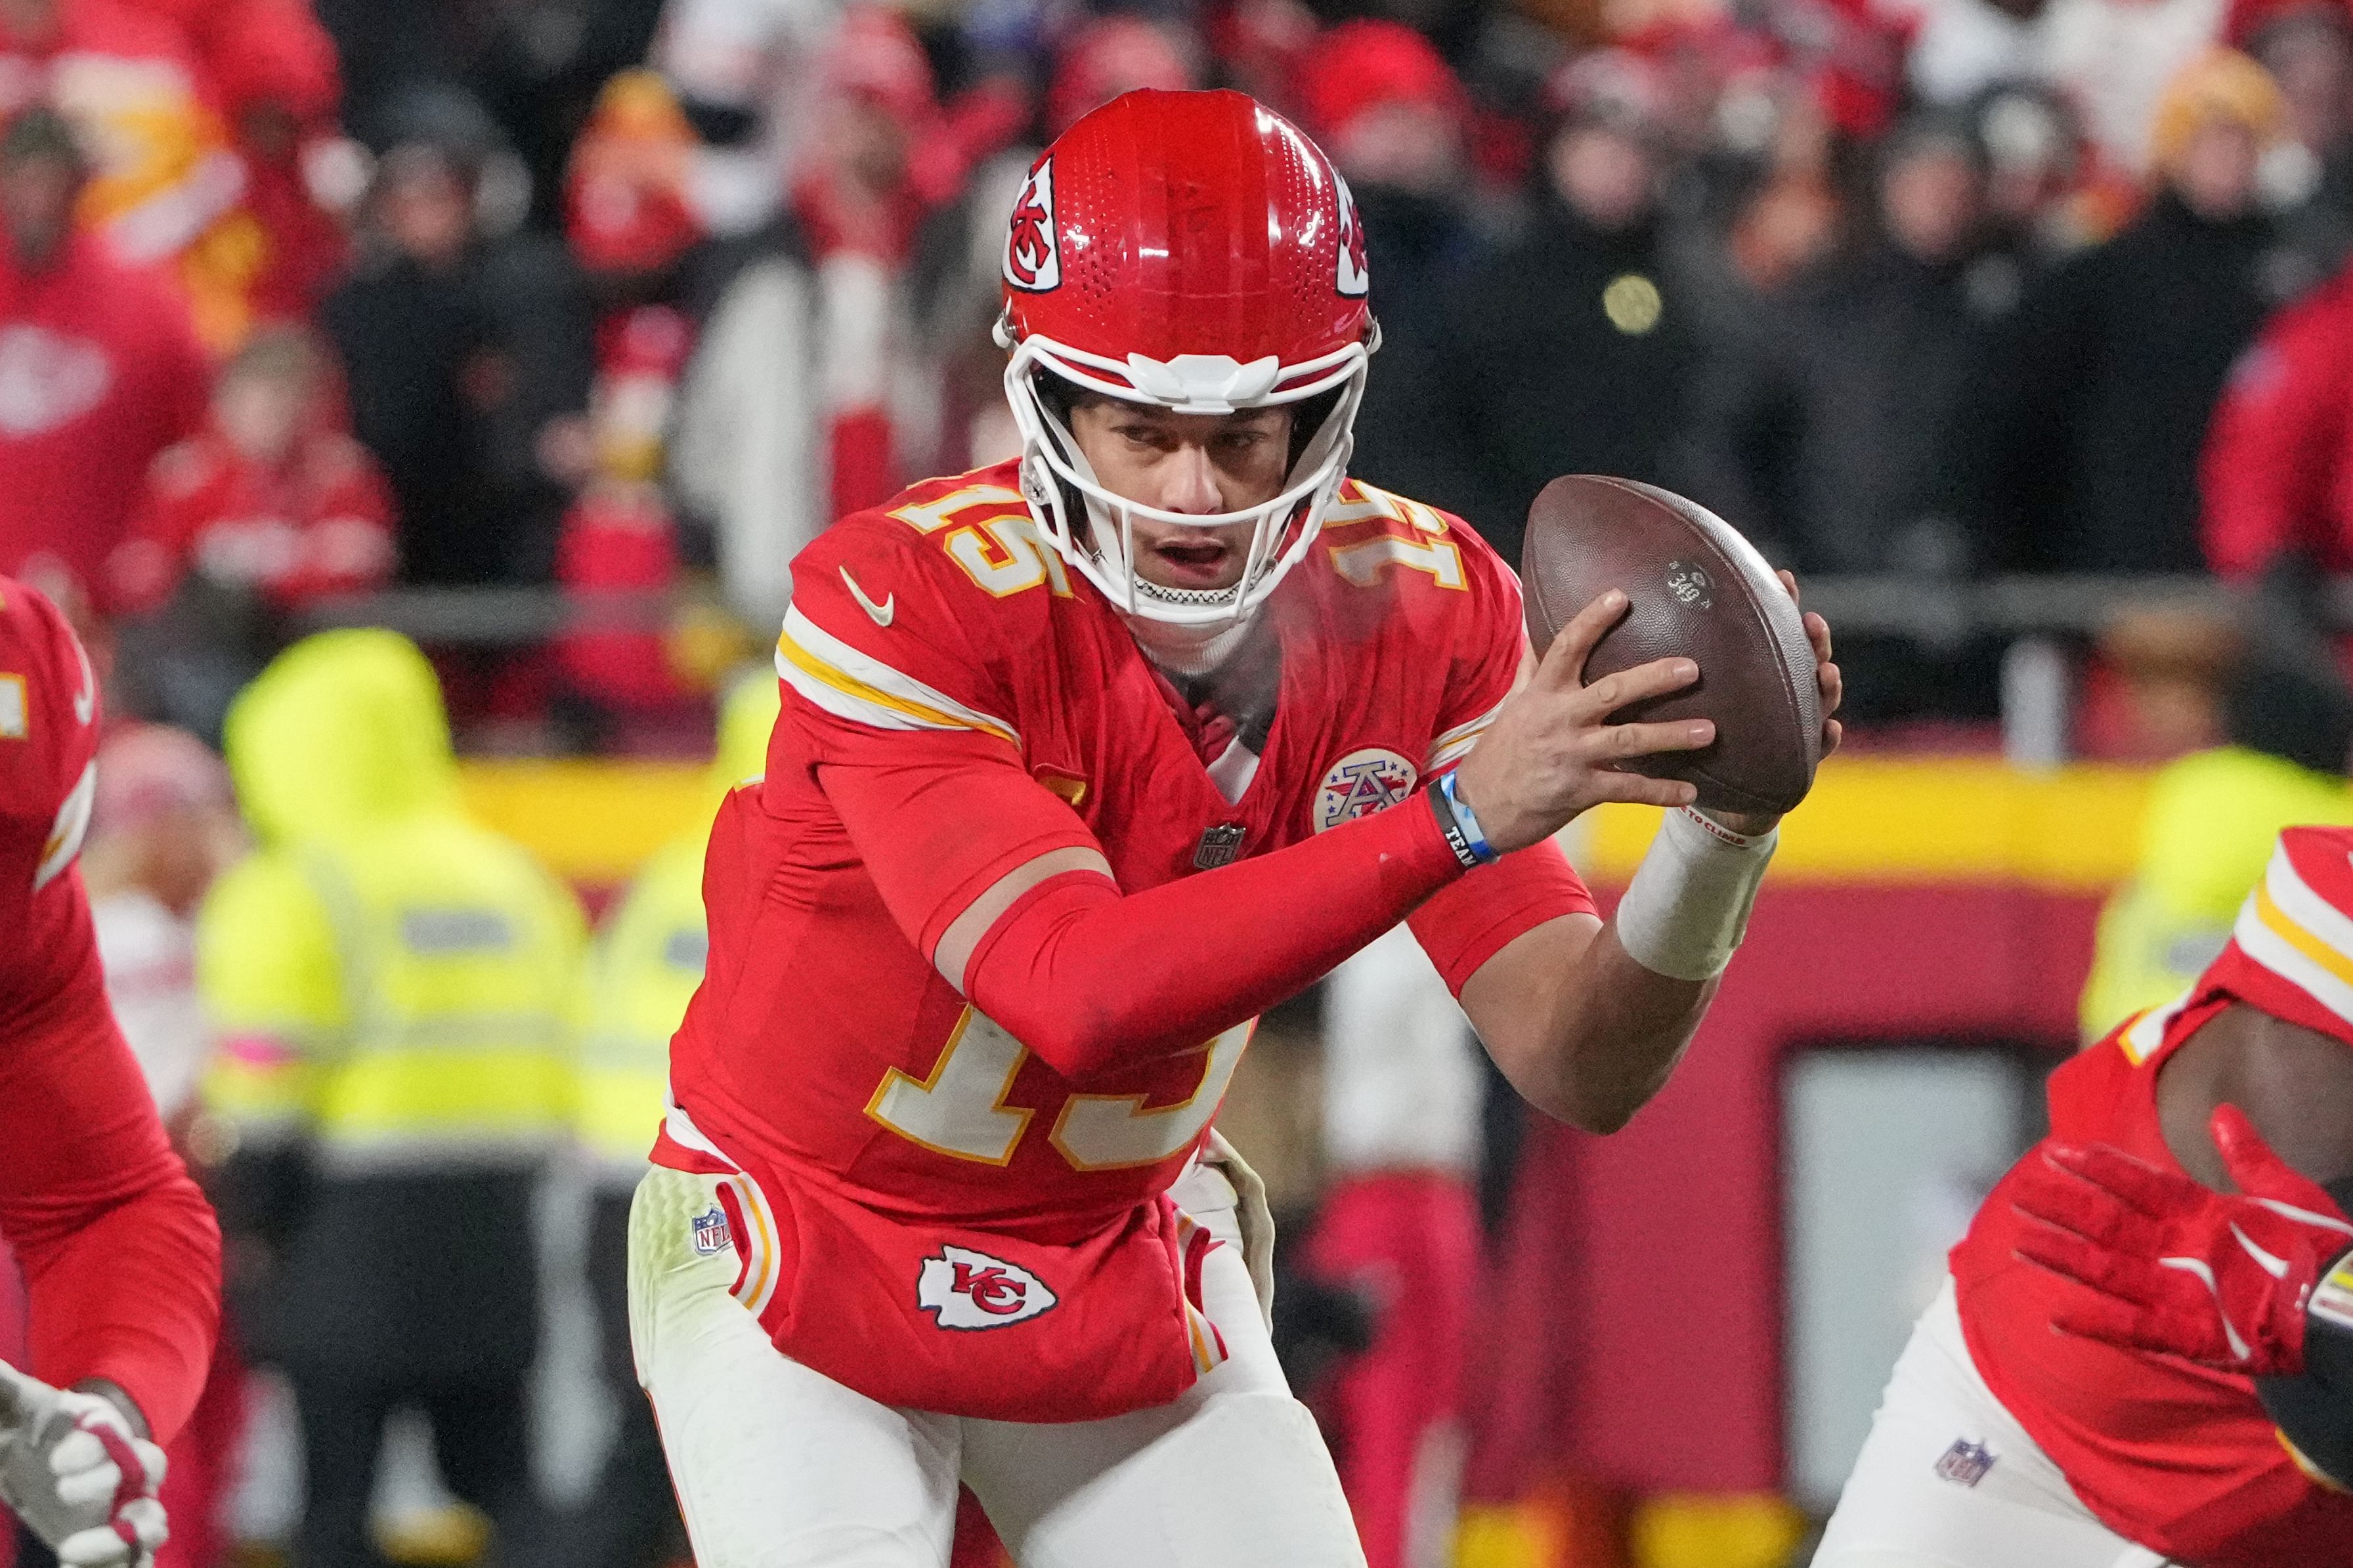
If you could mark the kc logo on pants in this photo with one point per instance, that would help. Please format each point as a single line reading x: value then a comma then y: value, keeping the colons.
x: 970, y: 1289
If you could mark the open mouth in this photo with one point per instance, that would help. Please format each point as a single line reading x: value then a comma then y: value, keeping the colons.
x: 1193, y: 562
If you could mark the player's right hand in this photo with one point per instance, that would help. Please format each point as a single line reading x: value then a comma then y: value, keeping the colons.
x: 77, y: 1476
x: 1551, y: 752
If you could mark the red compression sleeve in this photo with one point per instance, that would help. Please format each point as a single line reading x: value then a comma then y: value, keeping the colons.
x: 1091, y: 979
x: 1476, y: 918
x: 121, y: 1254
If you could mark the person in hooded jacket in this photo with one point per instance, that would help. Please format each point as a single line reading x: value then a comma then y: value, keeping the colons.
x: 391, y: 983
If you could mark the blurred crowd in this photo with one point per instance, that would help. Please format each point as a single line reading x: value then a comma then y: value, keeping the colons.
x: 628, y: 298
x: 623, y: 300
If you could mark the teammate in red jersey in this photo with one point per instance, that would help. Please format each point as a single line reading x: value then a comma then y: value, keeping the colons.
x: 121, y: 1257
x: 2198, y: 1398
x: 1084, y: 761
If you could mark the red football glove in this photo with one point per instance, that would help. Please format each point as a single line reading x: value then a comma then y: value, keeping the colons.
x: 2171, y: 1266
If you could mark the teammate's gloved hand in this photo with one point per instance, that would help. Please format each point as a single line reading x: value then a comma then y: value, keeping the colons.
x: 75, y: 1474
x: 2169, y: 1265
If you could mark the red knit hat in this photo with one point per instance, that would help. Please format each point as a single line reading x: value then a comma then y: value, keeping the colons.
x: 1363, y: 65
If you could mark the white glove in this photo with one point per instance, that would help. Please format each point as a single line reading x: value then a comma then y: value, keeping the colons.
x: 73, y: 1471
x: 1251, y: 1217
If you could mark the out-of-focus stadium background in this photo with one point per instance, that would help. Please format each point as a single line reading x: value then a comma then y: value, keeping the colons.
x: 543, y: 331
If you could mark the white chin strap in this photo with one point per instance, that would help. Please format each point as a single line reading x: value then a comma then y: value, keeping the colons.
x: 1052, y: 467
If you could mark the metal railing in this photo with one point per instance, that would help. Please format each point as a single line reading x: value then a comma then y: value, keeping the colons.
x: 2040, y: 619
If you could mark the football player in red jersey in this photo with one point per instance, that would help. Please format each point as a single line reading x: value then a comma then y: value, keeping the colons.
x: 120, y: 1256
x: 2195, y: 1404
x: 1084, y: 761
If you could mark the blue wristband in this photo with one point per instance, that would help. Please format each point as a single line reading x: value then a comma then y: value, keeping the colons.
x: 1472, y: 838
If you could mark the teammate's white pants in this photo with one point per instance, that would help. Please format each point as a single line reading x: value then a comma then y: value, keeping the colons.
x: 779, y: 1467
x: 1901, y: 1509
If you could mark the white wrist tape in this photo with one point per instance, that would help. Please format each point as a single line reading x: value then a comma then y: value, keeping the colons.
x: 1687, y: 907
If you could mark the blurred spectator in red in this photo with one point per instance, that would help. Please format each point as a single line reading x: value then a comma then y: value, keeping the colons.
x: 1389, y: 113
x: 960, y: 272
x: 167, y: 185
x: 810, y: 395
x: 274, y: 69
x: 99, y: 370
x: 1833, y: 427
x: 2094, y: 413
x: 626, y: 211
x: 2277, y: 475
x: 163, y: 826
x: 619, y: 536
x: 274, y: 499
x: 1570, y: 349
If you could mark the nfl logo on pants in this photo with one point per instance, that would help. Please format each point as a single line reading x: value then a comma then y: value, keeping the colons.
x: 1965, y: 1463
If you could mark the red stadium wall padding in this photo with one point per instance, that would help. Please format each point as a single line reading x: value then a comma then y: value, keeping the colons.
x: 1638, y: 1315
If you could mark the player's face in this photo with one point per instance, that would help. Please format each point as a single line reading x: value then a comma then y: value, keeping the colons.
x: 1202, y: 463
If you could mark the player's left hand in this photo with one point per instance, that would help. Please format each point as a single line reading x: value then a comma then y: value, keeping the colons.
x: 1833, y: 690
x: 78, y: 1475
x: 2169, y: 1265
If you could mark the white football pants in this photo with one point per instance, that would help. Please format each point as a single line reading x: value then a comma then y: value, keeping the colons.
x: 779, y: 1467
x: 1923, y: 1496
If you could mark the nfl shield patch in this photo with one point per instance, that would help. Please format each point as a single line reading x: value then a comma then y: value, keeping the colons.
x: 1965, y: 1464
x: 712, y: 1236
x: 1220, y: 846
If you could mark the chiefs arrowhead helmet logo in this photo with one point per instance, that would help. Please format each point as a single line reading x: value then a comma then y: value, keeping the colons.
x: 1033, y: 248
x: 1356, y: 278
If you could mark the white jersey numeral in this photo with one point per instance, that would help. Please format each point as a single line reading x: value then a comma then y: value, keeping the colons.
x: 960, y: 1110
x: 1004, y: 554
x: 1109, y: 1131
x: 1361, y: 563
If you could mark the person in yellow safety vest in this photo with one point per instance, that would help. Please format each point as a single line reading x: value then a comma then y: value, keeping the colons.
x: 2212, y: 821
x: 391, y: 986
x: 643, y: 970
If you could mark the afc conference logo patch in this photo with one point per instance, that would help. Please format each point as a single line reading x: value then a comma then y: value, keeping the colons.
x: 712, y: 1236
x: 1965, y: 1464
x: 1362, y: 782
x: 1033, y: 248
x: 970, y: 1289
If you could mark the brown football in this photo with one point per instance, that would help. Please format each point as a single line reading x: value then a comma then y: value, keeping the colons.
x: 1694, y: 587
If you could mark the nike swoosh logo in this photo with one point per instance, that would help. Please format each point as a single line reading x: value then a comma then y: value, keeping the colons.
x: 879, y: 614
x: 85, y: 702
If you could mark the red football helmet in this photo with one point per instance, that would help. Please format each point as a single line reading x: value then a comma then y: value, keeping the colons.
x: 1194, y: 251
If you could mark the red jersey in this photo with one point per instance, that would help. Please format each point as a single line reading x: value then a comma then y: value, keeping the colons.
x: 2178, y: 1457
x: 120, y: 1253
x: 827, y: 1060
x: 319, y: 526
x: 99, y: 371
